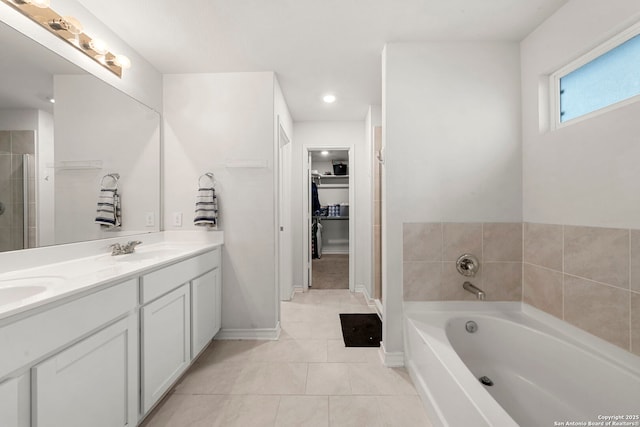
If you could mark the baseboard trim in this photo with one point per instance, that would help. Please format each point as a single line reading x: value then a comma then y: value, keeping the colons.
x: 391, y: 359
x: 271, y: 334
x: 379, y: 308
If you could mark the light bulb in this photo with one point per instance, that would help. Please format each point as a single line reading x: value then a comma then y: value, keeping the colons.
x: 99, y: 46
x: 122, y: 61
x: 324, y: 153
x: 329, y: 99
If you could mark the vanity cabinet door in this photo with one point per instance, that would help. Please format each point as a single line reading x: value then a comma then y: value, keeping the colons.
x: 15, y: 405
x: 166, y: 343
x: 206, y: 310
x: 92, y: 383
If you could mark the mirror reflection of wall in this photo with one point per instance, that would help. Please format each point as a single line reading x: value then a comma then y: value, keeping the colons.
x: 92, y: 130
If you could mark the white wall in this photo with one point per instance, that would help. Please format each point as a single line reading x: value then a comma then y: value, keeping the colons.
x: 95, y: 122
x: 451, y: 114
x: 347, y: 134
x: 585, y: 173
x: 211, y: 120
x: 141, y: 81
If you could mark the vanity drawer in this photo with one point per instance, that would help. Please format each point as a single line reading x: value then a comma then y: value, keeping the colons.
x: 33, y: 337
x: 161, y: 281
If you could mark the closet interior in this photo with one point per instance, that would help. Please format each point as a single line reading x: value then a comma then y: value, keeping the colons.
x: 330, y: 225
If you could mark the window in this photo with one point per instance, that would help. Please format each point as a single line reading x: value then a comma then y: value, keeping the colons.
x: 606, y: 76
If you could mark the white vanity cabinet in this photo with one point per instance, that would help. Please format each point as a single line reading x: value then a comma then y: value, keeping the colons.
x: 179, y: 318
x: 90, y: 383
x: 165, y: 343
x: 78, y: 362
x: 105, y: 357
x: 15, y: 406
x: 206, y: 298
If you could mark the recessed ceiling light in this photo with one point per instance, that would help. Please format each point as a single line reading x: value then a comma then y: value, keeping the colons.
x: 324, y: 153
x: 329, y: 99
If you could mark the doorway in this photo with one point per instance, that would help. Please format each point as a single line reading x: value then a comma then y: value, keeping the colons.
x: 328, y: 207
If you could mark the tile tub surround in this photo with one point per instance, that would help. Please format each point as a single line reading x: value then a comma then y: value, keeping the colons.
x: 587, y: 276
x: 430, y: 251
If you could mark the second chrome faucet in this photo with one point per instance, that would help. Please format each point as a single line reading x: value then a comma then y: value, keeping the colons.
x: 127, y: 248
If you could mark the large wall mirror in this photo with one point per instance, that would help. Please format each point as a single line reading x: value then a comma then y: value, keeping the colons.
x: 55, y: 158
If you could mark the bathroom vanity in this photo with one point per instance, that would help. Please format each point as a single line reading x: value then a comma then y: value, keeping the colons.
x: 99, y: 340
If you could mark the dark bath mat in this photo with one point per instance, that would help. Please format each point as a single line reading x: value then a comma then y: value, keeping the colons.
x: 361, y: 330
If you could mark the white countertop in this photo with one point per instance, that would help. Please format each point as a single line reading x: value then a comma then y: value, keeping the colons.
x: 45, y: 282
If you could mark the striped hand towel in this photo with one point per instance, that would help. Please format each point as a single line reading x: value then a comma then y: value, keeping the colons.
x: 109, y: 214
x: 206, y: 208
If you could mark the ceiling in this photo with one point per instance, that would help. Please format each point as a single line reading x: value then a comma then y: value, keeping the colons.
x: 314, y: 46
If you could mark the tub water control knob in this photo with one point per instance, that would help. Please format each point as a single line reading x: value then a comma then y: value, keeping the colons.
x: 467, y: 265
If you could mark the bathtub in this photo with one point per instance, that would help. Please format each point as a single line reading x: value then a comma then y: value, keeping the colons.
x: 545, y: 372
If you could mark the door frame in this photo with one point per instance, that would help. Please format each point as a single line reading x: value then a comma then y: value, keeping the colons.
x: 306, y: 189
x: 284, y: 225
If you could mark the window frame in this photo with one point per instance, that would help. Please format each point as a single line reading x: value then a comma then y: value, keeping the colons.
x: 601, y: 49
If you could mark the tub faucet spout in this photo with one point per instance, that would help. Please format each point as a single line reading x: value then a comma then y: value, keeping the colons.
x: 474, y: 290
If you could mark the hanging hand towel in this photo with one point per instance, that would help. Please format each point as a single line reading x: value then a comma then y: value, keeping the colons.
x: 109, y: 214
x: 206, y: 208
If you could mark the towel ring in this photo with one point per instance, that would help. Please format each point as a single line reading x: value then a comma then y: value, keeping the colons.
x: 114, y: 176
x: 208, y: 175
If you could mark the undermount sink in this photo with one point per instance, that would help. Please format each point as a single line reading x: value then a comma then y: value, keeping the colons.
x: 30, y: 282
x: 12, y: 294
x: 13, y: 290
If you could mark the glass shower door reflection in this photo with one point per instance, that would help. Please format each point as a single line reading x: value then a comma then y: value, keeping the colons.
x: 17, y: 184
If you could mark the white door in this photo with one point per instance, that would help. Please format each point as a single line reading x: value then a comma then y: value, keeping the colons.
x: 285, y: 247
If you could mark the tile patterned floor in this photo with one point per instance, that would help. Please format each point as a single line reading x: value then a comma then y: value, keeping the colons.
x: 306, y: 378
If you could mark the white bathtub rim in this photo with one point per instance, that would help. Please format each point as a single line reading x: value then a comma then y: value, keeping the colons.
x: 485, y: 406
x: 432, y: 331
x: 543, y: 322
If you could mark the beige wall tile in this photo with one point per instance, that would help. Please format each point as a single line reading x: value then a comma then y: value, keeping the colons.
x: 421, y: 281
x: 600, y: 254
x: 461, y: 238
x: 503, y: 281
x: 635, y: 260
x: 599, y: 309
x: 635, y: 323
x: 542, y: 289
x: 543, y: 245
x: 23, y: 142
x: 502, y: 242
x: 5, y: 141
x: 422, y: 242
x: 451, y: 286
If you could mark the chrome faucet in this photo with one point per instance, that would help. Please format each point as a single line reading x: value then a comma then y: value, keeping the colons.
x: 127, y: 248
x: 474, y: 290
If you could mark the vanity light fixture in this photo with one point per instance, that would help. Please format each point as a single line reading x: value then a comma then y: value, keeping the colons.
x: 329, y: 98
x: 324, y: 153
x: 42, y: 4
x: 52, y: 100
x: 71, y: 30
